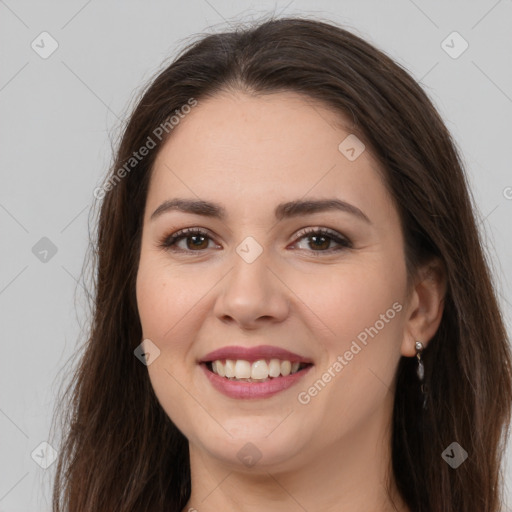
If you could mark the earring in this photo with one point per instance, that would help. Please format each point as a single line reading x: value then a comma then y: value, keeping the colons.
x: 420, y: 371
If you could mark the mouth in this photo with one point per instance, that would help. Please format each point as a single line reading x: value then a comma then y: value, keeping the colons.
x: 261, y: 370
x: 253, y: 372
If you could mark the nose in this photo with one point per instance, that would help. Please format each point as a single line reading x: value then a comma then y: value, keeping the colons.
x: 252, y: 294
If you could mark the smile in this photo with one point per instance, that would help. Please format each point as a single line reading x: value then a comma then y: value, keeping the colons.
x: 241, y: 370
x: 253, y: 388
x: 253, y: 372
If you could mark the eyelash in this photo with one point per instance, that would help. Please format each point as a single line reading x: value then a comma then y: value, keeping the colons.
x: 169, y: 242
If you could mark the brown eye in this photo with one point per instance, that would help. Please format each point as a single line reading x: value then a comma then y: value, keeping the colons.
x: 320, y: 240
x: 196, y: 240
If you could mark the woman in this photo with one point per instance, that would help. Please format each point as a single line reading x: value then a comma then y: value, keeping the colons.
x: 293, y: 308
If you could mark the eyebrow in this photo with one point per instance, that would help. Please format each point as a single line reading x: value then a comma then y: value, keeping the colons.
x: 282, y: 211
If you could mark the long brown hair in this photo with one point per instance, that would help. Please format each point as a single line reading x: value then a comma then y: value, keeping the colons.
x: 120, y: 450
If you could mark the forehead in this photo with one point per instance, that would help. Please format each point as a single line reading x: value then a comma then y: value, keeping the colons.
x: 249, y: 152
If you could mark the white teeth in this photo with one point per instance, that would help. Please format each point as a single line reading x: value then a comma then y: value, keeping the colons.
x: 258, y: 370
x: 242, y: 369
x: 286, y: 368
x: 229, y: 368
x: 274, y: 368
x: 220, y: 369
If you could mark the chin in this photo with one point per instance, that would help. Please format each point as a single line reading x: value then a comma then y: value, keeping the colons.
x: 253, y: 446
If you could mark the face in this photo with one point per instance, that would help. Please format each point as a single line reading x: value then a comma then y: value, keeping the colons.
x: 322, y: 289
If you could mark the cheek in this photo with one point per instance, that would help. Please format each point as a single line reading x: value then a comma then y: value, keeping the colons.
x: 153, y: 301
x: 164, y: 308
x: 173, y: 301
x: 363, y: 308
x: 356, y: 379
x: 352, y: 298
x: 365, y: 301
x: 163, y: 299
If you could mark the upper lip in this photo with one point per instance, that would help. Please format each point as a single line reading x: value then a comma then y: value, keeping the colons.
x: 252, y: 354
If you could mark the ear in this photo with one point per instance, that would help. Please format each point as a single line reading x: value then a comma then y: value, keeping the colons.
x: 425, y: 308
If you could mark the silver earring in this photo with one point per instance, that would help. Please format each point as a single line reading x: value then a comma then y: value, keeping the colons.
x: 420, y: 371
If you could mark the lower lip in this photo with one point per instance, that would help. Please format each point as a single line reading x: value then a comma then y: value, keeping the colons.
x: 265, y: 389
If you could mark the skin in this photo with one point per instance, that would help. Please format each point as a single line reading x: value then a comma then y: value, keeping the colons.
x: 249, y: 154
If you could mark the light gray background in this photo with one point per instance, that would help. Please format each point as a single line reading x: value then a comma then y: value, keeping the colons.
x: 57, y: 116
